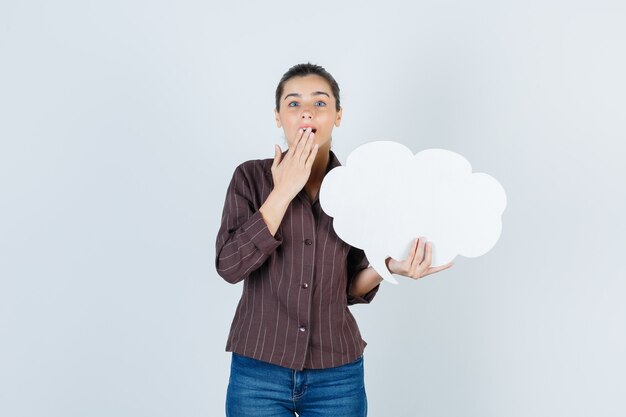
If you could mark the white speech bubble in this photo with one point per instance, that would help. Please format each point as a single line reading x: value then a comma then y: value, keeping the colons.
x: 385, y: 197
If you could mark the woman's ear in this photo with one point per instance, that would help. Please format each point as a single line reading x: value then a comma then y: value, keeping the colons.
x: 277, y: 117
x: 338, y: 118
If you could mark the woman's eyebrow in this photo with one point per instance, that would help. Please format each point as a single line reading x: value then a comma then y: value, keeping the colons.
x: 317, y: 93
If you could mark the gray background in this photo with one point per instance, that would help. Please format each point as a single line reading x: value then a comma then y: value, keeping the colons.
x: 121, y: 123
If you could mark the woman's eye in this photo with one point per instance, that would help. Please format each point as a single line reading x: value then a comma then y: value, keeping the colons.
x: 318, y: 103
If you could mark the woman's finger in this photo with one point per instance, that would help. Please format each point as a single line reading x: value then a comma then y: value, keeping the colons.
x: 411, y: 256
x: 409, y: 259
x: 439, y: 268
x: 297, y: 140
x: 311, y: 158
x: 307, y: 147
x: 413, y: 262
x: 301, y: 144
x: 419, y: 251
x: 428, y: 257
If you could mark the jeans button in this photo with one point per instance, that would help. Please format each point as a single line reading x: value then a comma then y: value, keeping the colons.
x: 308, y: 242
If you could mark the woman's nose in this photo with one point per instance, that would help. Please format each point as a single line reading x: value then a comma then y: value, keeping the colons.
x: 307, y: 113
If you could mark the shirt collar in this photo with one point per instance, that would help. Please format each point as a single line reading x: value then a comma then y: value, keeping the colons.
x: 333, y: 162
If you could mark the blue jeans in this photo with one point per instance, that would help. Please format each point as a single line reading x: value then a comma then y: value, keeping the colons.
x: 258, y: 389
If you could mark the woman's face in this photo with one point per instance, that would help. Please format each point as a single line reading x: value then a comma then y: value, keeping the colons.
x: 308, y: 101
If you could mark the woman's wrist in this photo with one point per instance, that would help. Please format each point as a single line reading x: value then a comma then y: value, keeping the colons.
x: 273, y: 209
x: 282, y: 195
x: 388, y: 262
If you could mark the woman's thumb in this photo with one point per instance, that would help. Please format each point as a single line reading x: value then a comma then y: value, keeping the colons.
x: 278, y: 155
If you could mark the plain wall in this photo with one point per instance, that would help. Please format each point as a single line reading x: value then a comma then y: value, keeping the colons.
x: 121, y: 123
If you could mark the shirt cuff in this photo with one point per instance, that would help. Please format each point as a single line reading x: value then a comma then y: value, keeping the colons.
x: 260, y: 235
x: 365, y: 299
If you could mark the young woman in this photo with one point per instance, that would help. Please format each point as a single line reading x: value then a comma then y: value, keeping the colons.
x: 295, y: 345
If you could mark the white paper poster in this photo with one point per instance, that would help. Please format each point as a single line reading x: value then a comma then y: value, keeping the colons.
x: 385, y: 196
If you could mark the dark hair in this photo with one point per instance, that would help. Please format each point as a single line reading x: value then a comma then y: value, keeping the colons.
x: 302, y: 70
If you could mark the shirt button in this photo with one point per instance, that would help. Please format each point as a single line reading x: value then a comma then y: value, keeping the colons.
x: 308, y: 242
x: 302, y: 329
x: 305, y: 285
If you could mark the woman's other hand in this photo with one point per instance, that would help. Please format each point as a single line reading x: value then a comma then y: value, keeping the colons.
x: 417, y: 264
x: 291, y: 173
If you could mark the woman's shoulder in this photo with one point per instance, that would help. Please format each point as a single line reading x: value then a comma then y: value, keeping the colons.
x: 255, y: 164
x: 255, y: 170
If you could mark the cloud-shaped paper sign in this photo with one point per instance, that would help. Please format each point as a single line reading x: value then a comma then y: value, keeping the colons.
x: 384, y: 197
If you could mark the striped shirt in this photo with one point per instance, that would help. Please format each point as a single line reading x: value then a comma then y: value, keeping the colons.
x: 293, y: 310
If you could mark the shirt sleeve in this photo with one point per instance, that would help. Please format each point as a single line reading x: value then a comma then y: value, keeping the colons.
x: 244, y: 241
x: 357, y: 261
